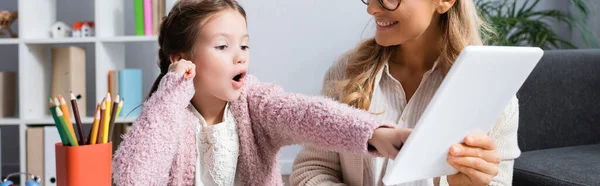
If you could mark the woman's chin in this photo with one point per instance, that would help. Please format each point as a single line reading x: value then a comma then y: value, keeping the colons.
x: 386, y: 41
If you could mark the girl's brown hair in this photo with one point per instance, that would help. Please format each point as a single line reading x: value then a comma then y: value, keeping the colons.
x: 178, y: 30
x: 461, y: 27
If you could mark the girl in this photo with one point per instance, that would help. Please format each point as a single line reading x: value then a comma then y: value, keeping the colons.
x: 208, y: 123
x: 397, y: 74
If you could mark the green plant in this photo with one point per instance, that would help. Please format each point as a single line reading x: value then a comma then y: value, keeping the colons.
x: 517, y: 24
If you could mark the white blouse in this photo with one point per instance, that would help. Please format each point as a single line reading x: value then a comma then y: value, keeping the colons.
x: 389, y: 98
x: 218, y: 150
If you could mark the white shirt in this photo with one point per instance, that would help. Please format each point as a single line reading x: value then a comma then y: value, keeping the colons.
x: 389, y: 99
x: 218, y: 150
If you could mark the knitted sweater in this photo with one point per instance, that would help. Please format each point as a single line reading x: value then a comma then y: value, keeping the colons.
x: 161, y: 147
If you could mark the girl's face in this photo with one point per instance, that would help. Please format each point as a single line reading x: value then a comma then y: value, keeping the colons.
x: 221, y: 55
x: 408, y: 22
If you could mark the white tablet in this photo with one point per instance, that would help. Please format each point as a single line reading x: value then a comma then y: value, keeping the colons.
x: 471, y: 98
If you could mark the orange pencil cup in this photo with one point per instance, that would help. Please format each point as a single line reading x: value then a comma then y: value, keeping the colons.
x: 89, y: 165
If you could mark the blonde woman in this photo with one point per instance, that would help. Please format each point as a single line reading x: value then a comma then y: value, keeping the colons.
x: 395, y: 75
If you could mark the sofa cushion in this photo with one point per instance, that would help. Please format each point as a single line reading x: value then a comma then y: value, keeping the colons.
x: 560, y: 101
x: 578, y: 165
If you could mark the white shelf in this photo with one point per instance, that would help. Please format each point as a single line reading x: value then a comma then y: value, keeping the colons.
x: 9, y: 121
x: 9, y: 41
x: 118, y: 39
x: 34, y: 65
x: 60, y: 41
x: 87, y: 120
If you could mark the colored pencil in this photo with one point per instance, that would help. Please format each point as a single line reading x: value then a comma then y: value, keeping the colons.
x: 113, y: 117
x: 120, y: 106
x: 119, y: 110
x: 61, y: 118
x: 75, y: 109
x: 106, y: 123
x: 67, y: 130
x: 101, y: 123
x: 63, y: 136
x: 65, y: 110
x: 94, y: 132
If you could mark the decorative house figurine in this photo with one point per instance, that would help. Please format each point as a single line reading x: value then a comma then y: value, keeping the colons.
x: 60, y: 30
x: 76, y: 29
x: 6, y: 20
x: 83, y: 29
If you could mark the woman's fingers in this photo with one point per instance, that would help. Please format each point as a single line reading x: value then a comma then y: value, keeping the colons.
x: 467, y: 151
x: 468, y: 175
x: 475, y: 177
x: 480, y: 140
x: 474, y: 163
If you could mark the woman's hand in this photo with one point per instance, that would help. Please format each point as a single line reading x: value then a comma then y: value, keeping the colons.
x: 476, y: 160
x: 185, y: 67
x: 388, y: 141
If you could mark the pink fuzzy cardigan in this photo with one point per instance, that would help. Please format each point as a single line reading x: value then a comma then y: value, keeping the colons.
x: 161, y: 147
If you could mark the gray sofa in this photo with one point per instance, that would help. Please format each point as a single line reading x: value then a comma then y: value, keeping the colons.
x: 559, y: 122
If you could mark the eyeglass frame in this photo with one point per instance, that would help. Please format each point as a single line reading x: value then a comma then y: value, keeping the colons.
x: 383, y: 5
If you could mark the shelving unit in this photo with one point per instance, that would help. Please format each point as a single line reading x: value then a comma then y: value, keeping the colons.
x: 115, y: 39
x: 106, y: 51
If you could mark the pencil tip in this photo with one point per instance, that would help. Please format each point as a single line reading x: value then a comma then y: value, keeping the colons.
x: 59, y: 113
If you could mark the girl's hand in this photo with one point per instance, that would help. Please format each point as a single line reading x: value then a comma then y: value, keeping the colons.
x: 476, y: 160
x: 388, y: 141
x: 185, y: 67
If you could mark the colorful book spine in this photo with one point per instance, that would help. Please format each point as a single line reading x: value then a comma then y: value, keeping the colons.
x: 148, y: 17
x: 138, y: 9
x: 130, y: 89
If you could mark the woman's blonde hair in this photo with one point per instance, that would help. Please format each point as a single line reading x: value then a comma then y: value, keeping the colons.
x: 461, y: 26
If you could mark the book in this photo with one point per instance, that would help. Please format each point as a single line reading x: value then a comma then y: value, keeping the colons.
x: 138, y: 9
x: 113, y: 83
x: 68, y: 74
x: 161, y: 13
x: 130, y: 89
x: 35, y: 151
x: 155, y: 17
x: 8, y: 85
x: 148, y: 17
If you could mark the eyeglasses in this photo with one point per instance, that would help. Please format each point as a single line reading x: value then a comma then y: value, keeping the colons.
x: 389, y: 5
